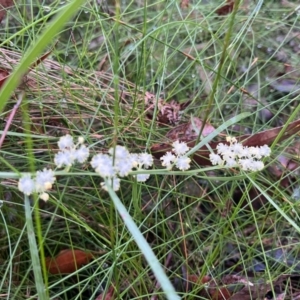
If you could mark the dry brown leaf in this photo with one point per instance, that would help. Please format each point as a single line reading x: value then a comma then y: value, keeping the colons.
x: 285, y: 85
x: 168, y: 112
x: 256, y: 293
x: 67, y: 261
x: 235, y: 287
x: 4, y: 73
x: 189, y: 131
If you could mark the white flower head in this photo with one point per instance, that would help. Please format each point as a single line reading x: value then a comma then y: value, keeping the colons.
x: 237, y: 149
x: 254, y: 152
x: 114, y: 182
x: 231, y: 139
x: 123, y: 166
x: 119, y: 152
x: 246, y: 164
x: 81, y: 154
x: 237, y: 155
x: 265, y: 151
x: 167, y: 160
x: 44, y: 196
x: 180, y: 148
x: 243, y: 153
x: 231, y: 163
x: 26, y: 184
x: 44, y: 180
x: 142, y: 177
x: 223, y: 148
x: 80, y: 140
x: 258, y: 166
x: 103, y: 165
x: 183, y: 163
x: 66, y: 142
x: 216, y: 159
x: 64, y: 158
x: 145, y: 160
x: 134, y: 157
x: 228, y: 156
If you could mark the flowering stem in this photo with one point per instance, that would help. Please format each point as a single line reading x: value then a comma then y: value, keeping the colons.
x: 40, y: 284
x: 12, y: 175
x: 34, y: 253
x: 136, y: 201
x: 144, y: 246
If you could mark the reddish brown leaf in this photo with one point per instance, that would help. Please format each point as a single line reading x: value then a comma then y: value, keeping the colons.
x: 184, y: 4
x: 109, y: 295
x: 268, y: 136
x: 226, y: 9
x: 3, y: 76
x: 3, y: 80
x: 259, y: 139
x: 67, y: 261
x: 197, y: 279
x: 221, y: 294
x: 192, y: 280
x: 4, y: 4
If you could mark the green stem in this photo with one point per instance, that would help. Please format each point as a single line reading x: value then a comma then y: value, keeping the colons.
x: 220, y: 67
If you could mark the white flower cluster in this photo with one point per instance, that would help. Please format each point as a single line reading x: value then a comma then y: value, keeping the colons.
x: 236, y: 155
x: 69, y: 152
x: 43, y: 180
x: 41, y: 183
x: 119, y: 162
x: 179, y: 159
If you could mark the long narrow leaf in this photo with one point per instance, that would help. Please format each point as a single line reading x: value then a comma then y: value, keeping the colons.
x: 148, y: 253
x: 31, y: 55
